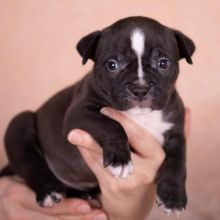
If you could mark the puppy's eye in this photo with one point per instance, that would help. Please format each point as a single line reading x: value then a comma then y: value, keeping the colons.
x: 163, y: 63
x: 112, y: 66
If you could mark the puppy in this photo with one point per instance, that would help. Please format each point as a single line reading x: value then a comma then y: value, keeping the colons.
x: 135, y: 70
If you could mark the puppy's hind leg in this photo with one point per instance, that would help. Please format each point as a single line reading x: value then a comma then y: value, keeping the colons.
x: 26, y: 159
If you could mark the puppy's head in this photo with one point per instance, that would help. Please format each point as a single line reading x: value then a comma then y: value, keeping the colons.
x: 136, y: 61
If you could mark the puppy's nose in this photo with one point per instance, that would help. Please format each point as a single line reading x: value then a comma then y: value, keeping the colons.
x: 139, y: 92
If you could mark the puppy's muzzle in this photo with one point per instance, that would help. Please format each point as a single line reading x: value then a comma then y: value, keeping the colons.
x: 139, y: 93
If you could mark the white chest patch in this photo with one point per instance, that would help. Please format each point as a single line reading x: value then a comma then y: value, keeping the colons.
x: 137, y: 44
x: 152, y: 121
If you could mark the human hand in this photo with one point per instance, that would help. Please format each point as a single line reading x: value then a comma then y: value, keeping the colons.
x: 17, y: 202
x: 129, y: 198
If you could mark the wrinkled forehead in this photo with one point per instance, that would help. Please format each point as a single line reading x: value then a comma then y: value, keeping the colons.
x: 136, y: 37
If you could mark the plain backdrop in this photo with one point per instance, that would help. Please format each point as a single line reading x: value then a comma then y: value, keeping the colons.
x: 38, y: 58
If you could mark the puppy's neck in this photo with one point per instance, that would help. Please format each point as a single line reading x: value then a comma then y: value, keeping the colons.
x: 151, y: 120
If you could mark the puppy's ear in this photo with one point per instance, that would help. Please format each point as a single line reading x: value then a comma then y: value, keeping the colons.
x: 185, y: 45
x: 87, y: 46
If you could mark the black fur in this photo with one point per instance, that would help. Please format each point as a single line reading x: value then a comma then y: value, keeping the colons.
x: 36, y: 143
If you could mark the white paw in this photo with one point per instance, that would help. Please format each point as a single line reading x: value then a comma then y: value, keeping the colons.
x: 167, y: 210
x: 122, y: 170
x: 57, y: 197
x: 52, y: 198
x: 48, y: 201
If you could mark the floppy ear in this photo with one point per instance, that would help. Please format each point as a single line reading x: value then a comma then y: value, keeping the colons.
x: 87, y: 46
x: 185, y: 45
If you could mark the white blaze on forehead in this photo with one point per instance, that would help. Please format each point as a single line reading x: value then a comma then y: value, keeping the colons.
x: 137, y: 44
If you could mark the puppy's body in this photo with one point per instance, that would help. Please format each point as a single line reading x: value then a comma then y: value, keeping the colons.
x: 136, y: 66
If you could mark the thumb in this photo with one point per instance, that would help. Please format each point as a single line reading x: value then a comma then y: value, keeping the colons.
x: 83, y: 139
x: 90, y: 151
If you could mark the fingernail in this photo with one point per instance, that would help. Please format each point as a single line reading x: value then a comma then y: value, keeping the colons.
x: 101, y: 216
x: 106, y: 111
x: 85, y: 209
x: 74, y: 137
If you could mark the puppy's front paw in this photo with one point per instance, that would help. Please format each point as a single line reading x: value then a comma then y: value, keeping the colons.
x: 172, y: 197
x: 118, y: 159
x: 49, y: 195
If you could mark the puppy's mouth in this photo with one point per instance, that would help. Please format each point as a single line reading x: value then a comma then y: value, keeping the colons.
x: 141, y: 104
x: 139, y: 97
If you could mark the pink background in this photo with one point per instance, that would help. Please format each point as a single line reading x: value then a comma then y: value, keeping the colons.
x: 38, y: 58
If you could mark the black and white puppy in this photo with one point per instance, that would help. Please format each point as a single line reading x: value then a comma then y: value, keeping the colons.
x: 136, y: 66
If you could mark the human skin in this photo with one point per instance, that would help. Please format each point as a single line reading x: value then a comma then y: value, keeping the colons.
x: 121, y: 198
x: 17, y: 202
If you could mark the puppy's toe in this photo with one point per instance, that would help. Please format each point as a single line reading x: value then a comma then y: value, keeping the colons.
x: 169, y: 211
x: 127, y: 169
x: 122, y: 171
x: 158, y: 201
x: 47, y: 202
x: 116, y: 170
x: 177, y: 212
x: 56, y: 197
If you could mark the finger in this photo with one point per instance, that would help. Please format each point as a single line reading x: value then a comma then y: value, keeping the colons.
x: 19, y: 212
x: 83, y: 139
x: 145, y: 170
x: 95, y: 215
x: 90, y: 150
x: 67, y: 206
x: 70, y: 206
x: 141, y: 140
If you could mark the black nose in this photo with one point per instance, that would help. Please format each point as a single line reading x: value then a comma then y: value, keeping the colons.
x: 139, y: 92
